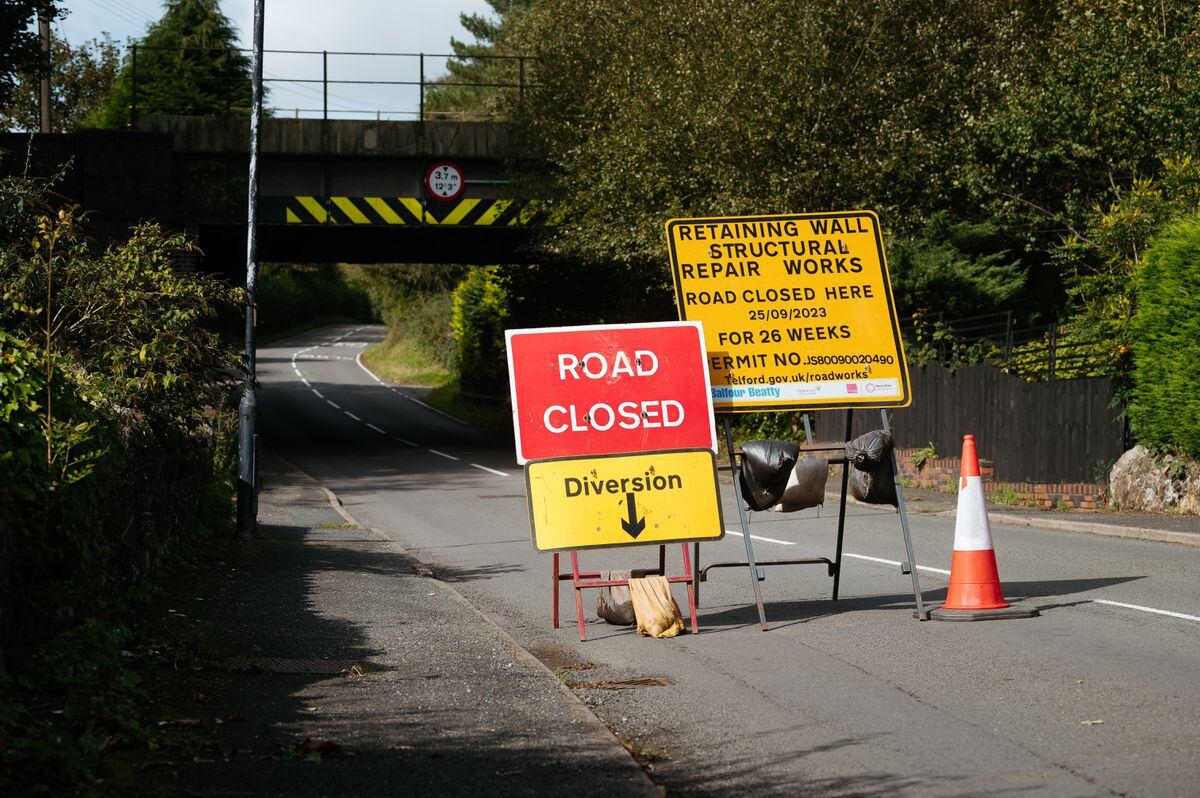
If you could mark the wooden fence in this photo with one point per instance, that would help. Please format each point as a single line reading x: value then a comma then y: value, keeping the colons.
x: 1054, y: 431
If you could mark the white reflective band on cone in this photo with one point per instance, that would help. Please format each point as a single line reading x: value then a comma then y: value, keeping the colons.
x: 971, y: 532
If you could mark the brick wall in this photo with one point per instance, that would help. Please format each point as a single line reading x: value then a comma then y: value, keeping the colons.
x: 942, y: 474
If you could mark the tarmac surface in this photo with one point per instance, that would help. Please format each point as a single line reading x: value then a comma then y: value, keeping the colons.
x: 360, y: 675
x: 1097, y: 696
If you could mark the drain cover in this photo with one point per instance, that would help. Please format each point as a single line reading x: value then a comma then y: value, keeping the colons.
x: 320, y: 667
x: 623, y: 684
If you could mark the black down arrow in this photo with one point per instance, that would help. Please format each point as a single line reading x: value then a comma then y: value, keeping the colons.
x: 634, y: 526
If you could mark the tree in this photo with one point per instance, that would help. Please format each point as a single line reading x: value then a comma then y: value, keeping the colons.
x: 188, y: 63
x: 1165, y: 411
x: 958, y: 269
x: 81, y: 82
x: 20, y: 49
x: 477, y: 66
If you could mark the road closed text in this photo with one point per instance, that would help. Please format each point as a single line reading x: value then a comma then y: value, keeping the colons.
x: 618, y: 388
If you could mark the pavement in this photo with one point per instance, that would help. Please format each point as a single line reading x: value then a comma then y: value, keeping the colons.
x: 1097, y: 696
x: 351, y: 671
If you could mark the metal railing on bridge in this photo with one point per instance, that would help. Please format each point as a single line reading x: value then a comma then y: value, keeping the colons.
x: 312, y: 74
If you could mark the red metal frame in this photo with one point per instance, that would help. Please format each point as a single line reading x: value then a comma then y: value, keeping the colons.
x: 589, y: 579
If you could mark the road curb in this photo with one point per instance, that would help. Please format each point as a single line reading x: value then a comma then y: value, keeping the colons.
x: 1090, y: 528
x: 606, y: 745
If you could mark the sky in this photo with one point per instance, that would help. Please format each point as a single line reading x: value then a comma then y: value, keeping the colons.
x: 377, y: 26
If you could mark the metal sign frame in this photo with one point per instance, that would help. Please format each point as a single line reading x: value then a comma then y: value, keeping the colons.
x: 757, y: 574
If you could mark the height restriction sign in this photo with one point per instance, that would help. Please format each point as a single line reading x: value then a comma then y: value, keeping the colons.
x: 797, y: 310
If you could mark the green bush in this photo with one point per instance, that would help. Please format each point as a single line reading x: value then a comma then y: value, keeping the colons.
x: 291, y: 295
x: 1165, y: 408
x: 479, y: 320
x: 115, y: 412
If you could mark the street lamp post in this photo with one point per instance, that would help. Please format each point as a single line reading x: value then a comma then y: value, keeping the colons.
x: 247, y: 488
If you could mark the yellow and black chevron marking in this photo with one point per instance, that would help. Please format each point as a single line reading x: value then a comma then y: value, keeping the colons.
x: 469, y: 212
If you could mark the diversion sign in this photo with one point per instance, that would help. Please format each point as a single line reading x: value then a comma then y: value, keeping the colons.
x: 797, y: 310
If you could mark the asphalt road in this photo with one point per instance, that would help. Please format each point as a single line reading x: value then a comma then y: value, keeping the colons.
x: 1100, y: 695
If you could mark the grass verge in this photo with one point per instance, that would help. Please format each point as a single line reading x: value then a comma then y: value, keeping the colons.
x: 399, y: 360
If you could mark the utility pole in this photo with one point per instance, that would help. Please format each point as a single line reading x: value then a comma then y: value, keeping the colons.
x: 247, y: 487
x: 44, y: 95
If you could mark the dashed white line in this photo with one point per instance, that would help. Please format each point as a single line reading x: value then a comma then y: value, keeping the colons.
x: 318, y: 393
x: 765, y: 540
x: 1184, y: 616
x: 377, y: 429
x: 403, y: 440
x: 307, y: 384
x: 844, y: 553
x: 333, y: 404
x: 443, y: 454
x: 356, y: 418
x: 489, y: 470
x: 897, y: 563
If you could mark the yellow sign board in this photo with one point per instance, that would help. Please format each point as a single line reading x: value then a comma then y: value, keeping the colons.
x: 624, y: 499
x: 797, y: 310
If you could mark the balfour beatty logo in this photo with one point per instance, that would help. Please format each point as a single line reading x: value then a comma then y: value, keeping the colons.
x: 649, y: 481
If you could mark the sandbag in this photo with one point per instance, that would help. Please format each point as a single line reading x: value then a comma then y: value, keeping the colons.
x: 655, y: 607
x: 872, y: 480
x: 614, y: 604
x: 765, y: 469
x: 806, y: 485
x: 869, y: 449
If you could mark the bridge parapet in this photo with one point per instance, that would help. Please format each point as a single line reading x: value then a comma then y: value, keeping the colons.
x: 204, y: 135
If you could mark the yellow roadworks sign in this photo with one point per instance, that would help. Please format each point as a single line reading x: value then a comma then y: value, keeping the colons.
x: 797, y: 310
x: 623, y: 500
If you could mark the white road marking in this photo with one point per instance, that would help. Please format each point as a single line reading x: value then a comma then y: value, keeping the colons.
x: 765, y: 540
x: 358, y: 360
x: 443, y: 454
x: 897, y: 563
x: 844, y: 553
x: 307, y: 384
x: 489, y: 470
x: 404, y: 440
x: 377, y: 429
x: 334, y: 405
x: 356, y: 418
x: 318, y: 393
x: 1147, y: 609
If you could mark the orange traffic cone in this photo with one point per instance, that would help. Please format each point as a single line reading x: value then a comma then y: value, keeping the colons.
x: 974, y: 593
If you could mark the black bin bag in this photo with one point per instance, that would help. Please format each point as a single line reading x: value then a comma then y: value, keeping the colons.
x: 765, y: 468
x: 872, y: 480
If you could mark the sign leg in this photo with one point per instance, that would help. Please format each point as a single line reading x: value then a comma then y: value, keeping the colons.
x: 737, y: 498
x: 554, y: 590
x: 837, y: 557
x: 687, y: 571
x: 696, y: 573
x: 578, y: 594
x: 922, y: 613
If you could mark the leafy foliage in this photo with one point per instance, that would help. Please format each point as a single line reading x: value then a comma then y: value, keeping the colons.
x: 958, y: 268
x: 479, y: 320
x: 20, y: 48
x: 1104, y: 259
x: 188, y: 63
x: 82, y: 80
x: 292, y: 294
x: 115, y: 395
x: 1165, y: 409
x: 479, y: 83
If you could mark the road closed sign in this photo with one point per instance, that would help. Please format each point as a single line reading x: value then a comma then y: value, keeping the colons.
x: 797, y: 310
x: 624, y: 500
x: 609, y: 389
